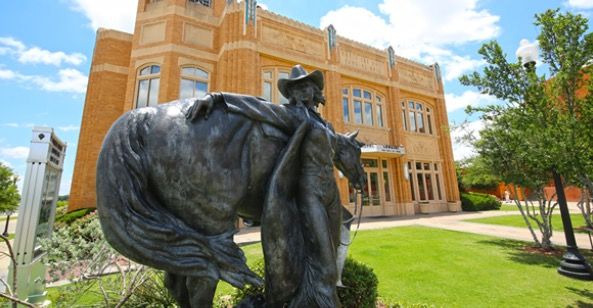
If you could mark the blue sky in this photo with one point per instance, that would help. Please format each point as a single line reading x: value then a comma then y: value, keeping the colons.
x: 46, y: 48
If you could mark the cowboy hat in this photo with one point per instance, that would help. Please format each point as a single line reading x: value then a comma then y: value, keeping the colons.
x: 298, y: 74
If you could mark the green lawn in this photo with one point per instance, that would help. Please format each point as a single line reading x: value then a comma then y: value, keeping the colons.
x: 508, y: 207
x: 420, y: 265
x: 517, y: 221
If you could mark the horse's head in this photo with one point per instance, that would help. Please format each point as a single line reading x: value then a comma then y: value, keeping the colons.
x: 347, y: 159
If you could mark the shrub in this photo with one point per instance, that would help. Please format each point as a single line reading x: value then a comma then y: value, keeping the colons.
x: 360, y: 291
x: 472, y: 202
x: 361, y: 285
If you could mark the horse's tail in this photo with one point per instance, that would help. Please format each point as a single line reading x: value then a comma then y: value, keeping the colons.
x: 137, y: 225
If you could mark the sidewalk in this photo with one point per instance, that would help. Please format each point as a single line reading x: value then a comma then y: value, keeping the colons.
x: 448, y: 221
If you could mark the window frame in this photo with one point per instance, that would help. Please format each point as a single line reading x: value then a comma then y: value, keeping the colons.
x: 372, y: 106
x: 194, y: 79
x: 428, y: 177
x: 151, y: 77
x: 417, y: 117
x: 276, y: 73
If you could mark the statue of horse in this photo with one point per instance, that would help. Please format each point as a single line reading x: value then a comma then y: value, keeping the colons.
x: 169, y: 191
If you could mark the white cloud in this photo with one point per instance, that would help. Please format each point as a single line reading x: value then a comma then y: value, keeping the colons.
x: 69, y: 80
x: 35, y: 55
x: 12, y: 43
x: 103, y: 14
x: 69, y: 128
x: 38, y: 55
x: 15, y: 152
x: 580, y: 4
x: 421, y: 30
x: 7, y: 74
x: 10, y: 125
x: 468, y: 98
x: 463, y: 150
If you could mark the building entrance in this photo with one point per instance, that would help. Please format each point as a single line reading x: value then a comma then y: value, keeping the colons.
x: 378, y: 190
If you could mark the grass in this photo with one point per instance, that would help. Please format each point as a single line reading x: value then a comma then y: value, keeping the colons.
x: 508, y: 207
x: 517, y: 221
x: 420, y: 265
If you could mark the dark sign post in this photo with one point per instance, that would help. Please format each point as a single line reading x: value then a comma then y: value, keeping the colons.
x: 37, y: 213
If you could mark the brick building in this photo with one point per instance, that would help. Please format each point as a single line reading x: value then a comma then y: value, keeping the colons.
x: 184, y: 48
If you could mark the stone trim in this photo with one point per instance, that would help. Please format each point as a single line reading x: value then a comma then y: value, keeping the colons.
x: 110, y: 68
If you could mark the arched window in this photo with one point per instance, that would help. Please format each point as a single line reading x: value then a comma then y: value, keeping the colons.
x: 148, y: 86
x: 362, y: 106
x: 416, y: 117
x: 270, y: 90
x: 194, y: 82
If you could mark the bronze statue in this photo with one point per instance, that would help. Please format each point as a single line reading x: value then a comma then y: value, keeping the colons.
x: 171, y: 180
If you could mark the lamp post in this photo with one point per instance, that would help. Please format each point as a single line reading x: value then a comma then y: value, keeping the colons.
x: 573, y: 264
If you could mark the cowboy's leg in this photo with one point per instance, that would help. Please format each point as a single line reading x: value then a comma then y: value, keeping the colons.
x: 178, y: 289
x: 318, y: 287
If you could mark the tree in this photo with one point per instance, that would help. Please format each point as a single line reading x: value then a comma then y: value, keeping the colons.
x: 475, y: 173
x: 545, y: 124
x: 9, y: 194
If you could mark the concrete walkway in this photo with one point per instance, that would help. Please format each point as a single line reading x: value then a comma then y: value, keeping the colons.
x: 448, y: 221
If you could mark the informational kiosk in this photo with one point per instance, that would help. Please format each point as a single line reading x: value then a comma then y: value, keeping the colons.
x: 37, y: 212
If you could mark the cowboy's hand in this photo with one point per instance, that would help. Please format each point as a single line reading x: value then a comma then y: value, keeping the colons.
x: 201, y: 106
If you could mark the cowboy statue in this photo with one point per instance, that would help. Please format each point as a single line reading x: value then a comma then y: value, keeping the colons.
x: 320, y: 210
x: 171, y: 180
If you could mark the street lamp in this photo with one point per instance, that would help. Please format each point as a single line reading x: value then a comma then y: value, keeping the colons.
x: 573, y: 264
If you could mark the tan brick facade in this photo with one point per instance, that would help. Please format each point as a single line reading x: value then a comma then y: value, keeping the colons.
x: 240, y: 55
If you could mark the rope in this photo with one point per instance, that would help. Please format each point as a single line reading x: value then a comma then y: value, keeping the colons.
x: 357, y: 193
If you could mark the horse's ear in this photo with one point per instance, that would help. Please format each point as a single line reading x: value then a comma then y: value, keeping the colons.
x: 352, y: 136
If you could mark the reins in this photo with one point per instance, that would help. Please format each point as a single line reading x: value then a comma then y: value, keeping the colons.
x: 356, y: 206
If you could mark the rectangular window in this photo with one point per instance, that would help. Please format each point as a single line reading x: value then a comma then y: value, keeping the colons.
x: 368, y: 95
x: 153, y: 95
x: 356, y: 92
x: 201, y: 89
x: 267, y: 91
x: 142, y: 93
x: 412, y: 185
x: 405, y: 120
x: 418, y: 166
x: 420, y: 122
x: 384, y: 164
x: 436, y: 177
x: 380, y: 115
x: 345, y: 91
x: 412, y: 121
x: 386, y: 187
x: 421, y: 190
x: 368, y: 113
x: 186, y: 89
x: 429, y: 187
x: 358, y: 112
x: 345, y: 109
x: 374, y: 188
x: 429, y: 123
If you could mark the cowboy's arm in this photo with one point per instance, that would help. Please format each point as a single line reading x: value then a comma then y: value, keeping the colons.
x: 286, y: 119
